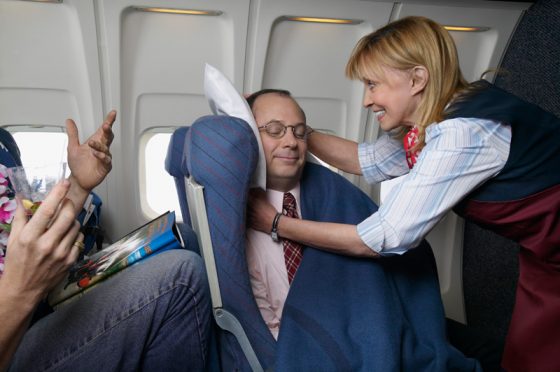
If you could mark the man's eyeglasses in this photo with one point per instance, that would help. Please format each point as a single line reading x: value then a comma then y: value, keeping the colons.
x: 276, y: 129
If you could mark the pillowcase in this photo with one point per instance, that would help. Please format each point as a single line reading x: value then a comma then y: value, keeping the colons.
x: 224, y: 99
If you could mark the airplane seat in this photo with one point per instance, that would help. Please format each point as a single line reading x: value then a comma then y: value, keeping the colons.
x: 212, y: 163
x: 530, y: 70
x: 174, y: 166
x: 190, y: 238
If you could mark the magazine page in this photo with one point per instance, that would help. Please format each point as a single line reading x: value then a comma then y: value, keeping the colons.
x: 157, y: 235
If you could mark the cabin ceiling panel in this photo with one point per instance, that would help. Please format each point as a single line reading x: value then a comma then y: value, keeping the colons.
x: 154, y: 70
x: 480, y: 50
x: 166, y: 53
x: 49, y: 63
x: 300, y: 58
x: 41, y: 106
x: 309, y: 58
x: 180, y: 109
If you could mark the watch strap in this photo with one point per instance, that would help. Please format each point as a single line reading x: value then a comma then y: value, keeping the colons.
x: 274, y: 230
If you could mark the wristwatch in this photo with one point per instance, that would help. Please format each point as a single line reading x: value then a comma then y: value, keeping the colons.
x: 274, y: 231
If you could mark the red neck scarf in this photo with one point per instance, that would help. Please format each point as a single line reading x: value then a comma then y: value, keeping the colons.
x: 409, y: 141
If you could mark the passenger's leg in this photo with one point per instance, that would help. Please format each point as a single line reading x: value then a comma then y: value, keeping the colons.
x: 154, y: 315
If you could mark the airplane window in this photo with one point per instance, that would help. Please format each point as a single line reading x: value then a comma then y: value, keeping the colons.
x: 41, y: 147
x: 160, y: 194
x: 48, y: 145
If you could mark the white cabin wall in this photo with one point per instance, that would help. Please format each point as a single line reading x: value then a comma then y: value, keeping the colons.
x: 154, y: 72
x: 49, y: 68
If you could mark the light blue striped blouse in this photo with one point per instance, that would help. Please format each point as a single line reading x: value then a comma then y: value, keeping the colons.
x: 460, y: 154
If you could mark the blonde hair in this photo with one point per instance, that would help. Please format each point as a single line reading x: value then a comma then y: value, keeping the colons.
x: 404, y: 44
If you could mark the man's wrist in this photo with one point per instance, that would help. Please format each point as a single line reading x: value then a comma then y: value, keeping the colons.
x: 77, y: 194
x: 76, y: 186
x: 274, y: 230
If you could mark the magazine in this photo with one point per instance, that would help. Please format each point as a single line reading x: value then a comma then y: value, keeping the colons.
x: 156, y: 236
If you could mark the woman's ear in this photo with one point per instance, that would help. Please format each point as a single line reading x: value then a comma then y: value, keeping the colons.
x: 419, y: 79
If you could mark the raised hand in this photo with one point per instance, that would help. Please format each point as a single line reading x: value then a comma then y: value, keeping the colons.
x: 91, y: 161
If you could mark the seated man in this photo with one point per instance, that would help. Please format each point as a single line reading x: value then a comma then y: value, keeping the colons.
x: 149, y: 316
x: 283, y: 135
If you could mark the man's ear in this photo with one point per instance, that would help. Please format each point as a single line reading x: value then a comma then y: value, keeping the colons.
x: 419, y: 79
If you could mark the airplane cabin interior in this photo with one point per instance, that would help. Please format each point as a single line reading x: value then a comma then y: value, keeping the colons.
x: 80, y: 59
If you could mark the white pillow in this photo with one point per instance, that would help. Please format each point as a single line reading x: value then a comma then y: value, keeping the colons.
x: 224, y: 99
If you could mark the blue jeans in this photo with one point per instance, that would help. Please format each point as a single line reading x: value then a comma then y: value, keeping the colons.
x: 154, y: 315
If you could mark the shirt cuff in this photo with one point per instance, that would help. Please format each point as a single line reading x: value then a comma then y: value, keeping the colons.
x: 371, y: 232
x: 366, y: 158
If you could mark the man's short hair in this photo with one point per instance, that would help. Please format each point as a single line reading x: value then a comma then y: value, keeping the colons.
x: 281, y: 92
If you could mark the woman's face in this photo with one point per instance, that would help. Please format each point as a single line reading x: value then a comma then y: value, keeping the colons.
x: 392, y: 98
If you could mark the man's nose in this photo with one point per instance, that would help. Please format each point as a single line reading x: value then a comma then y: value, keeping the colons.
x: 289, y: 138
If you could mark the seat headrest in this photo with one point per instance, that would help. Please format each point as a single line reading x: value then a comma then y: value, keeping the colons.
x: 226, y: 153
x: 174, y: 160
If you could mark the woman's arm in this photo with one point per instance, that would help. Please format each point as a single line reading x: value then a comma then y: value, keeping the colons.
x: 333, y: 237
x: 36, y: 260
x: 336, y: 151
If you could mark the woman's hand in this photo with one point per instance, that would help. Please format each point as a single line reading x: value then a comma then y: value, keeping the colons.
x: 260, y: 213
x: 41, y: 250
x: 90, y: 162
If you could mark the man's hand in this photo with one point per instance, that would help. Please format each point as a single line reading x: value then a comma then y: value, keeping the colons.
x: 90, y: 162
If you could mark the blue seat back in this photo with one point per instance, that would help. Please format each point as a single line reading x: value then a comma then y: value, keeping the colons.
x: 174, y: 165
x: 220, y: 153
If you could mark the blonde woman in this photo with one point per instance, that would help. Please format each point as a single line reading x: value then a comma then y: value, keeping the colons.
x: 472, y: 148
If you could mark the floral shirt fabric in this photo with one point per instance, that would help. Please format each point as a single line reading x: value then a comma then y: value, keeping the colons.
x: 9, y: 157
x: 7, y: 210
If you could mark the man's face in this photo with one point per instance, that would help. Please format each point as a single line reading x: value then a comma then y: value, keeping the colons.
x: 285, y: 156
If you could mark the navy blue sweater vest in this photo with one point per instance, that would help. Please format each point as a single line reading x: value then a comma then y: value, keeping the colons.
x: 523, y: 201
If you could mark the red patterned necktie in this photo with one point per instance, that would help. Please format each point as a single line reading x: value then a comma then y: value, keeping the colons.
x: 409, y: 141
x: 292, y: 250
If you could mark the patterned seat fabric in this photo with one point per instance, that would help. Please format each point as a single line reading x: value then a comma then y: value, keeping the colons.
x: 221, y: 154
